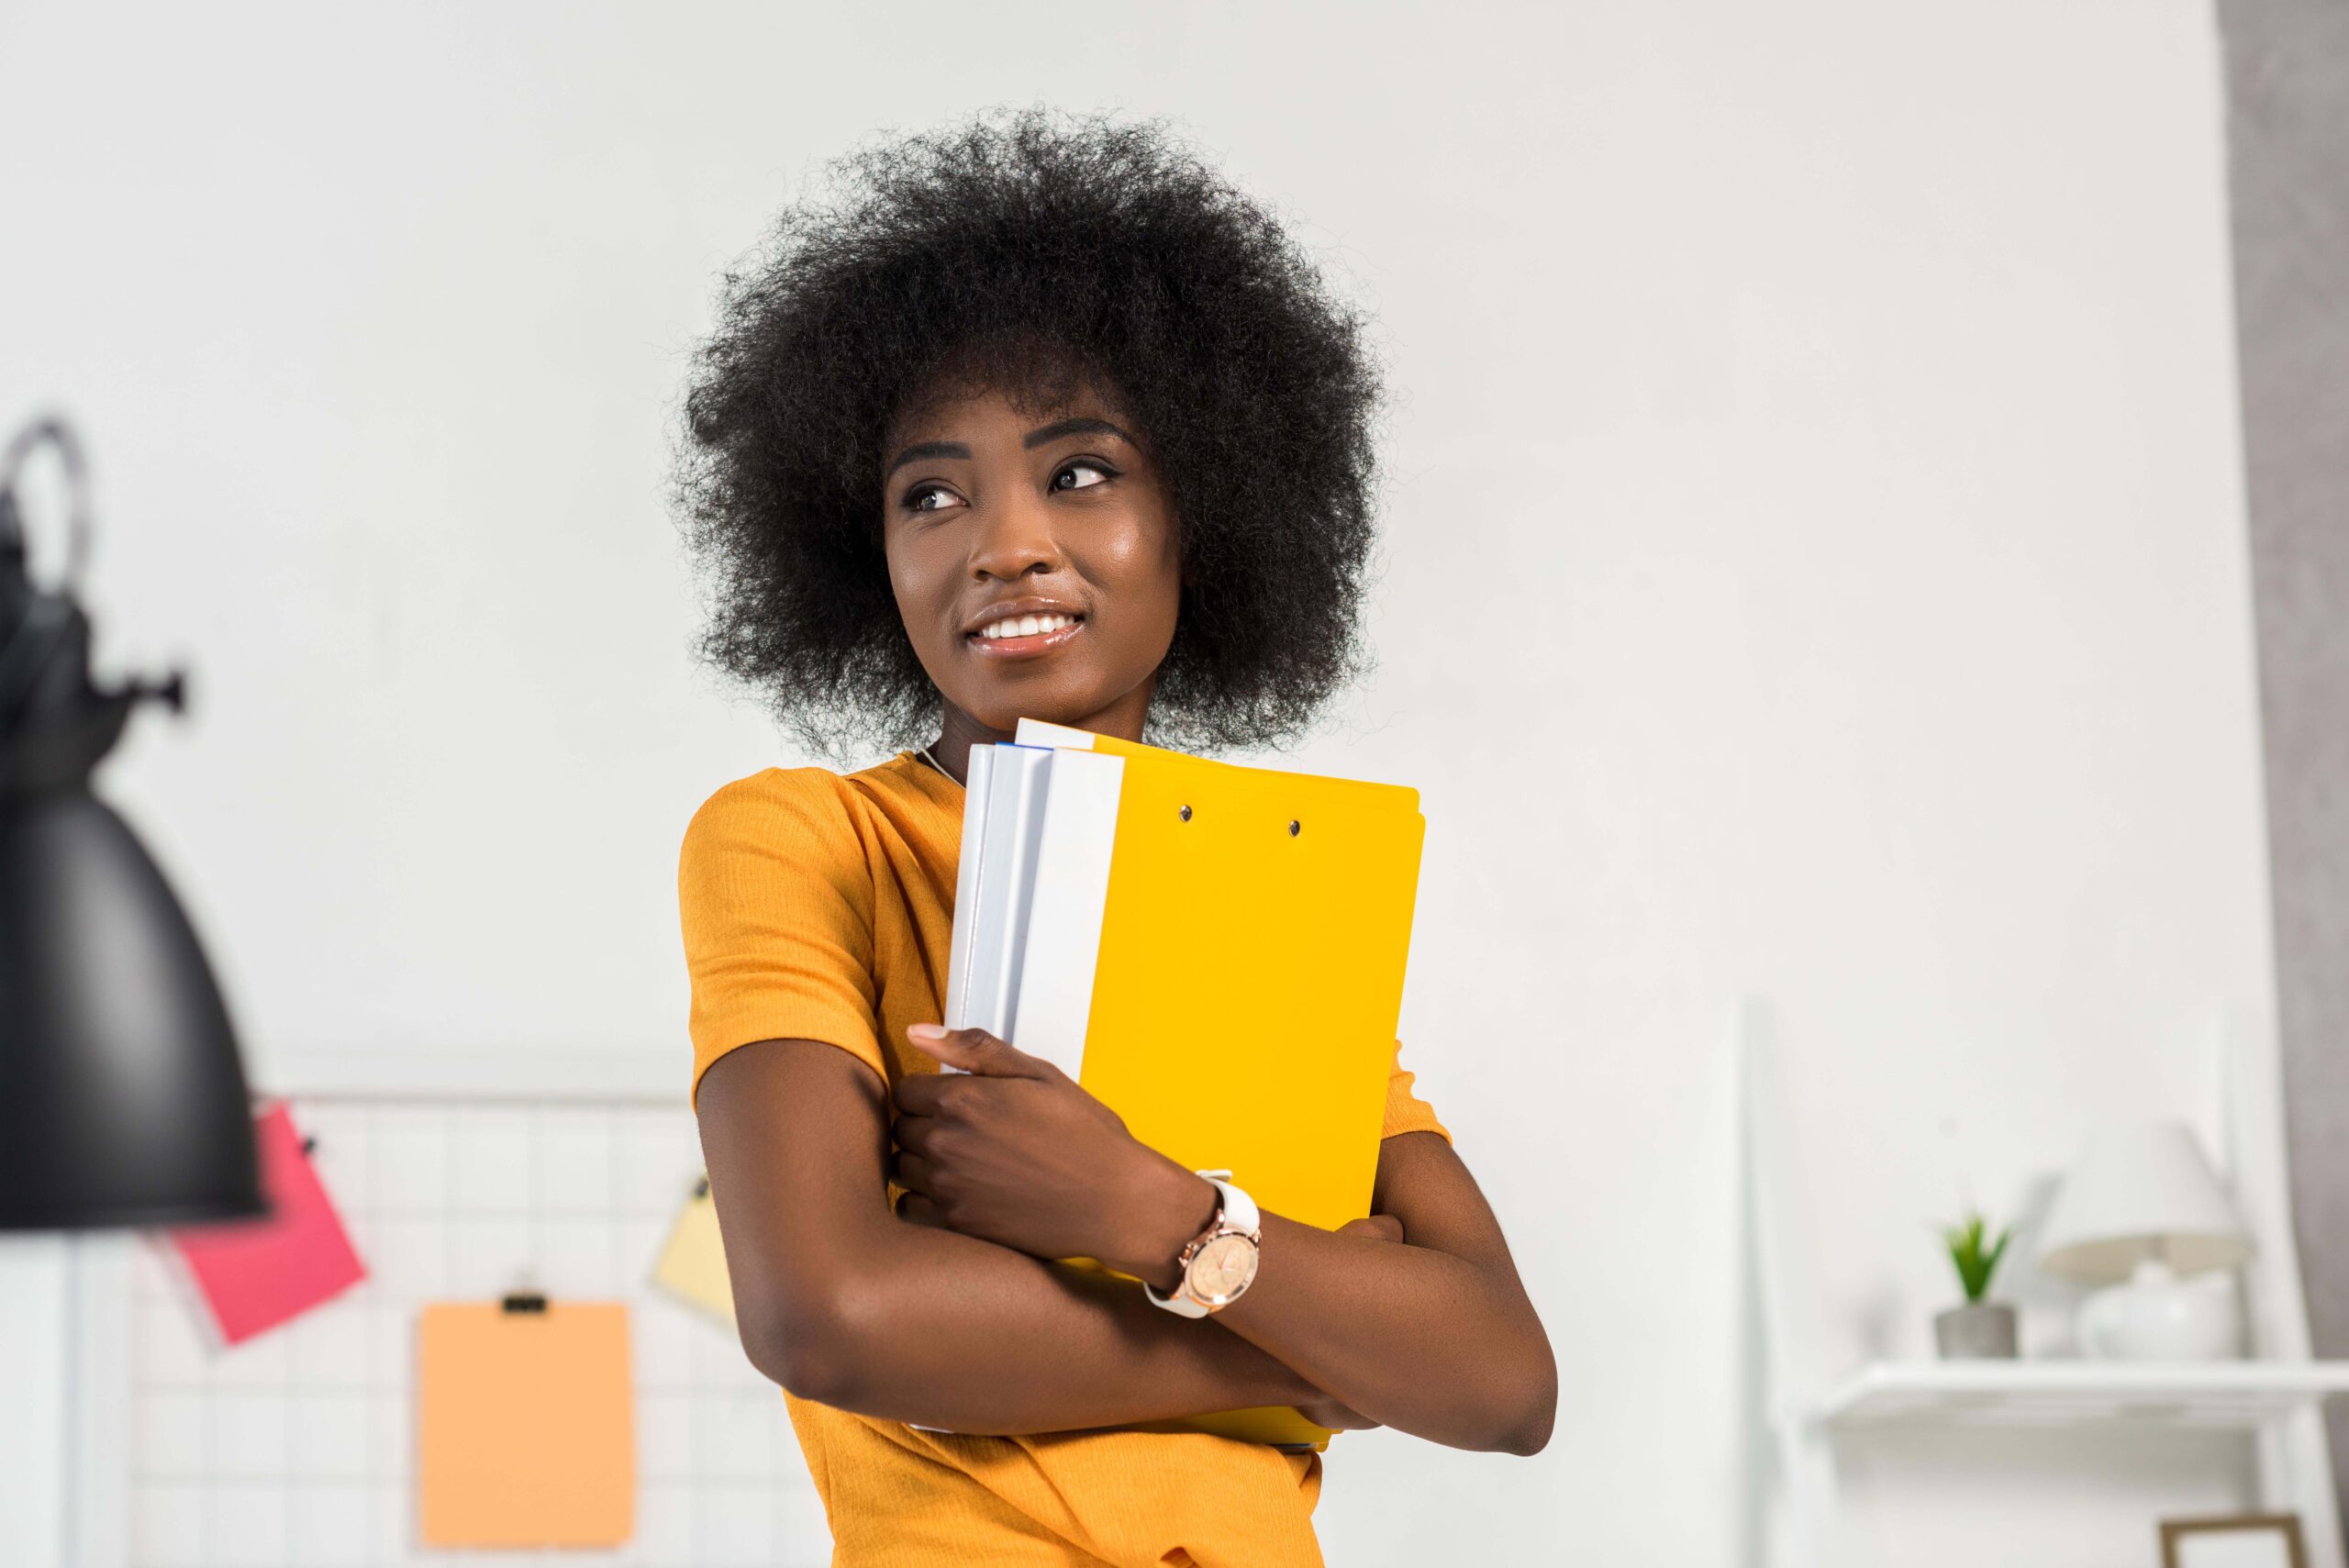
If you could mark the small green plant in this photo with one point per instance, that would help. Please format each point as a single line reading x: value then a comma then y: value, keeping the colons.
x: 1975, y: 1265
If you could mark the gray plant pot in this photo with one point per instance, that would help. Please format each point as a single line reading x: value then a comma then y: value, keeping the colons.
x: 1980, y: 1330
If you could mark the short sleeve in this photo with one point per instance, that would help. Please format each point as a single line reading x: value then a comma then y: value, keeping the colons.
x: 1406, y: 1112
x: 776, y: 901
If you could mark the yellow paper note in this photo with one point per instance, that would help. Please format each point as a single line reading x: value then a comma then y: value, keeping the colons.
x: 526, y: 1433
x: 693, y: 1263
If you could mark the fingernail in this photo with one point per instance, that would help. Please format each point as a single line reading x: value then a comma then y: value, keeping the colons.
x: 927, y: 1031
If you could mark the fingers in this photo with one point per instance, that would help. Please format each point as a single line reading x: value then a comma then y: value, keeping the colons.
x: 912, y: 1173
x: 919, y: 1210
x: 1376, y: 1226
x: 915, y: 1135
x: 975, y: 1051
x: 1327, y: 1412
x: 928, y: 1094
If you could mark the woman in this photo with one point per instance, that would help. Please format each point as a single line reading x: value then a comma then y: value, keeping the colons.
x: 1038, y: 417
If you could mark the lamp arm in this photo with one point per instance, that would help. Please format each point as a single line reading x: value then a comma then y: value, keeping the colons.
x: 49, y: 430
x: 56, y: 723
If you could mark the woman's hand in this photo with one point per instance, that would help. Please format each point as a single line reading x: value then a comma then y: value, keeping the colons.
x: 1010, y: 1150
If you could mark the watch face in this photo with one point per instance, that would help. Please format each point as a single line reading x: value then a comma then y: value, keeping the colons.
x: 1222, y: 1268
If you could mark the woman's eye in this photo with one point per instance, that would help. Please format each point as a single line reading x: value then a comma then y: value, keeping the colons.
x: 1066, y: 478
x: 929, y: 498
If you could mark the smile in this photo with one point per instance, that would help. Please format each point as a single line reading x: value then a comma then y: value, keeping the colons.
x: 1017, y: 636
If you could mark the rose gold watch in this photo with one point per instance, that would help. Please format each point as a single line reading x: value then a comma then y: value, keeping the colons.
x: 1218, y: 1264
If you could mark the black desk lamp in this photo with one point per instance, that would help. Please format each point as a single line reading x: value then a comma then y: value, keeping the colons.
x: 121, y: 1098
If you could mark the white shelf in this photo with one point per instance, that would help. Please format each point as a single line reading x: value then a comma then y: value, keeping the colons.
x: 1819, y: 1415
x: 2242, y: 1394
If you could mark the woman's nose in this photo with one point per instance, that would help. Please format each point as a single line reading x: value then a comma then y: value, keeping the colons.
x: 1015, y: 539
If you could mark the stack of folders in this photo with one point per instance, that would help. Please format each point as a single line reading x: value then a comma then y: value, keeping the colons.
x: 1215, y: 952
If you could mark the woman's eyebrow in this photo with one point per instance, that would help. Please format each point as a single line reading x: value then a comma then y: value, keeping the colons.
x: 922, y: 449
x: 1054, y: 431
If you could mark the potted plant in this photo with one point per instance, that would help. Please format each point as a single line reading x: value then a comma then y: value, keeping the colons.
x: 1980, y: 1331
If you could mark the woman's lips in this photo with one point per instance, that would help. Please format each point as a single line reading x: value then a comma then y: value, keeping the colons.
x: 1023, y: 646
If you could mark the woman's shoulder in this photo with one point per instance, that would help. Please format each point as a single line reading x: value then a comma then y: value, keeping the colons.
x: 799, y: 809
x: 790, y: 792
x: 775, y: 817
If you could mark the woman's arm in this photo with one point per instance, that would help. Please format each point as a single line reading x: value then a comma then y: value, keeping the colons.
x: 1434, y: 1337
x: 841, y: 1301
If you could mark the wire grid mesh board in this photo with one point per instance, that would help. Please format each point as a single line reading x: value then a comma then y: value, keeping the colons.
x: 296, y: 1449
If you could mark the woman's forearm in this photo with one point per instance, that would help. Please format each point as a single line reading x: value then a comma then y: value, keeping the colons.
x: 1435, y: 1339
x: 1415, y: 1338
x: 1432, y: 1334
x: 945, y: 1330
x: 841, y: 1301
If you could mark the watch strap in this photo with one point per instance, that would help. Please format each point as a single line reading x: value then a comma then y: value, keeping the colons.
x: 1180, y: 1303
x: 1235, y: 1211
x: 1239, y: 1208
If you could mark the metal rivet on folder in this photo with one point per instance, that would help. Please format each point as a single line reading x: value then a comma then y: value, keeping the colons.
x: 1186, y: 814
x: 1293, y: 827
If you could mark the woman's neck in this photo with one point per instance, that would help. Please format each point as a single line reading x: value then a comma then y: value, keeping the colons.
x: 959, y: 731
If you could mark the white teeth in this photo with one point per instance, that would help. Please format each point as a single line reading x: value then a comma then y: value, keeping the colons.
x: 1025, y: 626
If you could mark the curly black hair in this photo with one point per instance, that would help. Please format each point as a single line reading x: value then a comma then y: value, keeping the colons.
x: 1007, y: 250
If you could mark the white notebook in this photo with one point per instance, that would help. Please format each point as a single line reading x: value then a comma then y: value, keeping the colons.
x: 1003, y: 799
x: 1039, y: 826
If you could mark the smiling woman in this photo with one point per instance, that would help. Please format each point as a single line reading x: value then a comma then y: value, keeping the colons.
x: 1037, y: 419
x: 1037, y: 567
x: 1073, y: 269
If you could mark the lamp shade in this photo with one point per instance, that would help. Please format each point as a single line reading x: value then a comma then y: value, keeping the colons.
x: 121, y: 1098
x: 2137, y: 1192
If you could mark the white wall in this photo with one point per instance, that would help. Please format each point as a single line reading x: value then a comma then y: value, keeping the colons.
x: 35, y: 1409
x: 1815, y: 568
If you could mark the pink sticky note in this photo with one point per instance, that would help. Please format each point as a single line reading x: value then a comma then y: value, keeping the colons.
x: 258, y: 1273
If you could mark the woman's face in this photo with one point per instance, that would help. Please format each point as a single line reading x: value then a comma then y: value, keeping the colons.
x: 1035, y: 558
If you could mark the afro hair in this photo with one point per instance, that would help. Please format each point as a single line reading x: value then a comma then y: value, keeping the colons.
x: 1009, y: 251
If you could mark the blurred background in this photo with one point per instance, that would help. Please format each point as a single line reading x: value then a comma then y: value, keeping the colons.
x: 1865, y: 598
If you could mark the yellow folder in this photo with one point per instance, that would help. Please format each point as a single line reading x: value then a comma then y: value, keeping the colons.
x: 1217, y: 952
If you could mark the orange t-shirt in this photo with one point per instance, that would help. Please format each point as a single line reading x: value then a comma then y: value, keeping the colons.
x: 818, y: 906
